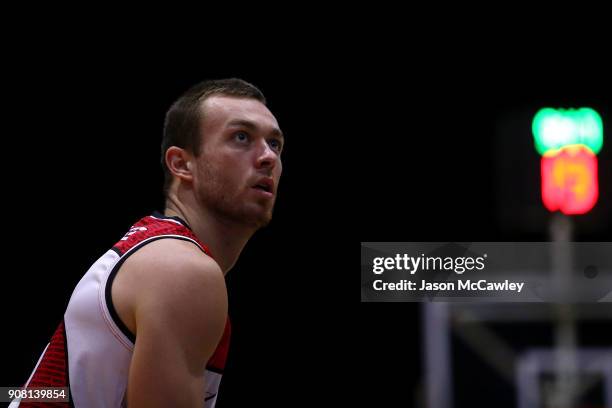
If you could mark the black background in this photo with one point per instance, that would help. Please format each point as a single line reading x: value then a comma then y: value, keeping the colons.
x: 393, y: 150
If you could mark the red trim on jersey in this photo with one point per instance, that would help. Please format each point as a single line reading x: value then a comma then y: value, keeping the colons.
x: 52, y: 370
x: 217, y: 360
x: 149, y: 227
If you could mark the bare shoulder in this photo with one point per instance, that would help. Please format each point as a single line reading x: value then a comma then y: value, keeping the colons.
x: 171, y: 285
x: 176, y: 271
x: 180, y: 257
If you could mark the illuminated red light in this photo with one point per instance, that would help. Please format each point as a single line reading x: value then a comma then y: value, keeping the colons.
x: 569, y: 179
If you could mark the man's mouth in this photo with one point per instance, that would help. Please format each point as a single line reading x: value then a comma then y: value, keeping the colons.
x: 265, y: 184
x: 263, y: 187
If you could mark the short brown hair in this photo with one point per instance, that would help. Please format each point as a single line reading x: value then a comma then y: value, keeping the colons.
x: 182, y: 122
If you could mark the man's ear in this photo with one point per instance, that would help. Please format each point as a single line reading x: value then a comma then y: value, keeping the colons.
x: 178, y: 161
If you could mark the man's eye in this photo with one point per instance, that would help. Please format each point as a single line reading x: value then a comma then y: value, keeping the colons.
x: 241, y: 136
x: 275, y: 144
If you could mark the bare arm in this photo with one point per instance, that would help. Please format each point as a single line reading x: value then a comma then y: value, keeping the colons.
x: 180, y: 312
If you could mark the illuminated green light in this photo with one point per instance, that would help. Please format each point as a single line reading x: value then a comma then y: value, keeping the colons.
x: 556, y: 128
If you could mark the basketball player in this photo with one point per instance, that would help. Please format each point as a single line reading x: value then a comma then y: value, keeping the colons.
x: 147, y: 324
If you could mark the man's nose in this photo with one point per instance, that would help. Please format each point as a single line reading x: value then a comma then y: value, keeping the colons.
x: 266, y: 157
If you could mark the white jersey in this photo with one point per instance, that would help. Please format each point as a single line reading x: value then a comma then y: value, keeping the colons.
x: 90, y: 351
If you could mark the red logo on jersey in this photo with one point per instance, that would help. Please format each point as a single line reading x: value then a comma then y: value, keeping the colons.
x: 132, y: 231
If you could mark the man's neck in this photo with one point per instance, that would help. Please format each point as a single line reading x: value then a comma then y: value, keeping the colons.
x: 224, y: 239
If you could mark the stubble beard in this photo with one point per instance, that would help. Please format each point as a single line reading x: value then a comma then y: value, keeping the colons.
x: 230, y: 204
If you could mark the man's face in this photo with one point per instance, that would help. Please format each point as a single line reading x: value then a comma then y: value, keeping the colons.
x: 239, y: 165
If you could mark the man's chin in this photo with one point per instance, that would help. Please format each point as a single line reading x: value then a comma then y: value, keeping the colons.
x: 254, y: 214
x: 253, y: 217
x: 261, y: 220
